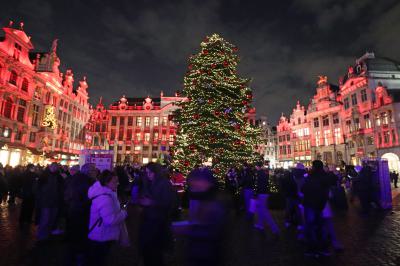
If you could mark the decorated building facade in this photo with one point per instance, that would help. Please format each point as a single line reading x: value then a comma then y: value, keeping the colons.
x: 42, y: 114
x: 358, y: 119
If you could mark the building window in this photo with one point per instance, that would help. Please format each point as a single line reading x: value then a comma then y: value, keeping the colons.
x: 138, y: 121
x: 337, y: 135
x: 20, y: 114
x: 146, y: 136
x: 356, y: 123
x: 17, y: 51
x: 130, y: 121
x: 32, y: 137
x: 35, y: 115
x: 171, y: 137
x: 113, y: 121
x: 25, y: 85
x: 325, y: 121
x: 317, y: 138
x: 8, y: 108
x: 156, y: 121
x: 335, y: 118
x: 129, y: 134
x: 385, y: 119
x: 316, y: 122
x: 364, y: 97
x: 112, y: 137
x: 306, y: 131
x: 13, y: 78
x: 288, y: 137
x: 138, y: 136
x: 121, y: 134
x: 386, y: 136
x: 370, y: 141
x: 393, y: 136
x: 367, y: 121
x: 289, y: 151
x: 354, y: 99
x: 103, y: 127
x: 299, y: 120
x: 155, y: 136
x: 164, y: 121
x: 346, y: 103
x: 121, y: 121
x: 147, y: 121
x: 377, y: 120
x: 327, y: 134
x: 163, y: 137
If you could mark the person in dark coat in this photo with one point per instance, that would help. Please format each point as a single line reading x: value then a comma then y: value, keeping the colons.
x: 316, y: 195
x: 157, y: 199
x: 247, y: 183
x: 3, y: 186
x: 49, y: 200
x: 206, y: 229
x: 29, y: 180
x: 77, y: 207
x: 289, y: 191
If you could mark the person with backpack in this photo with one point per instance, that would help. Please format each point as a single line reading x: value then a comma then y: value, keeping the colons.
x: 107, y: 218
x: 77, y: 207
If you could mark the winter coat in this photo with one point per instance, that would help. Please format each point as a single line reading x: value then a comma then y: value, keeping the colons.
x: 50, y: 190
x: 261, y: 182
x: 247, y: 179
x: 316, y: 191
x: 105, y: 208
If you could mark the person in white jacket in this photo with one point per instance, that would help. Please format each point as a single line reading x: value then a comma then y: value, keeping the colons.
x: 106, y: 217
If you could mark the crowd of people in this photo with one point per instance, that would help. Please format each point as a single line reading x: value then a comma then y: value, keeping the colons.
x: 89, y: 206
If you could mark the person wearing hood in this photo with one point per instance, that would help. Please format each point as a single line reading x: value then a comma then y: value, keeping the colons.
x: 106, y: 217
x: 157, y: 199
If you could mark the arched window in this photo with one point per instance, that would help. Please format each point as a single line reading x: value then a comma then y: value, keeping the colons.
x: 13, y: 78
x: 25, y: 85
x: 8, y: 108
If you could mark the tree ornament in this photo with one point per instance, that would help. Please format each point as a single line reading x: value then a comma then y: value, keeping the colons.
x: 186, y: 163
x: 190, y: 67
x: 210, y: 101
x: 216, y: 112
x: 245, y: 102
x: 226, y: 64
x: 192, y: 147
x: 235, y: 49
x: 196, y: 116
x: 205, y: 51
x: 213, y: 65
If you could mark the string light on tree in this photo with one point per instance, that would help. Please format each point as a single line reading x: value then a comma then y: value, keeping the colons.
x: 212, y: 125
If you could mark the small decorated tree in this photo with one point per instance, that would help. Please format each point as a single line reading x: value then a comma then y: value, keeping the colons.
x: 213, y: 128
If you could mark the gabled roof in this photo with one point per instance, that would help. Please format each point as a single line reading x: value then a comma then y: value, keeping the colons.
x: 139, y: 101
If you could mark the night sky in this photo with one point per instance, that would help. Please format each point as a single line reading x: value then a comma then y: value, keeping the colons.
x: 139, y: 48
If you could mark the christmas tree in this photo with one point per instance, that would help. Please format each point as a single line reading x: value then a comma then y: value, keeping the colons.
x: 212, y: 124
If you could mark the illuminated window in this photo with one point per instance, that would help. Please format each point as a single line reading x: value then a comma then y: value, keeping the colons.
x: 356, y: 123
x: 348, y: 126
x: 377, y: 120
x: 112, y: 137
x: 13, y: 78
x: 364, y: 97
x: 146, y: 136
x: 370, y: 141
x: 155, y: 136
x: 25, y: 85
x: 139, y: 121
x: 306, y: 131
x: 130, y: 121
x: 317, y: 138
x: 327, y: 134
x: 147, y: 122
x: 367, y: 121
x: 163, y: 137
x: 337, y: 135
x: 386, y: 137
x: 385, y: 118
x: 171, y: 137
x: 156, y: 121
x: 137, y: 148
x: 138, y: 136
x: 164, y: 121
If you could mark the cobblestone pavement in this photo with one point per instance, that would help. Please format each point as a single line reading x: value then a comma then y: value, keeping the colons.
x: 368, y: 241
